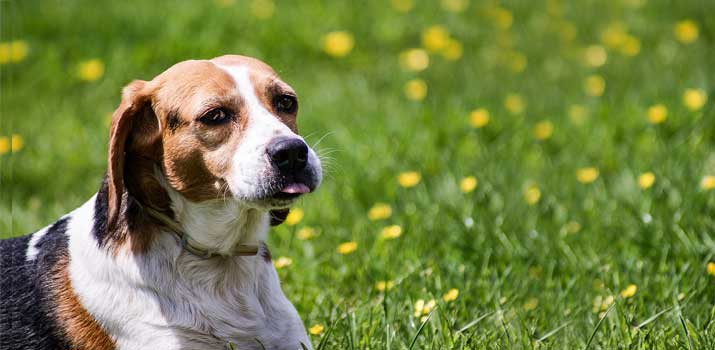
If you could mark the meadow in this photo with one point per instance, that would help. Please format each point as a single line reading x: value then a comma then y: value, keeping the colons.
x: 499, y: 174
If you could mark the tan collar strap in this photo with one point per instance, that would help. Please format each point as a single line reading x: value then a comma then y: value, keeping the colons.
x: 242, y: 250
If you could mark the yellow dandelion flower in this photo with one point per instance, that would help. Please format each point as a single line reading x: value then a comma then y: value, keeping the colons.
x: 225, y: 3
x: 657, y: 113
x: 601, y: 304
x: 535, y: 272
x: 543, y: 130
x: 90, y: 70
x: 453, y: 50
x: 577, y: 114
x: 607, y: 302
x: 435, y: 38
x: 316, y: 329
x: 630, y: 291
x: 416, y: 89
x: 18, y: 50
x: 514, y: 103
x: 614, y: 36
x: 409, y: 179
x: 4, y: 52
x: 403, y: 6
x: 711, y: 268
x: 419, y: 307
x: 572, y: 227
x: 14, y: 51
x: 686, y: 31
x: 414, y: 60
x: 338, y: 43
x: 594, y: 85
x: 347, y: 247
x: 294, y: 216
x: 631, y: 46
x: 595, y: 56
x: 282, y: 262
x: 567, y: 31
x: 531, y: 304
x: 379, y: 211
x: 384, y: 285
x: 517, y: 62
x: 4, y: 145
x: 694, y: 99
x: 455, y: 6
x: 646, y: 180
x: 305, y: 233
x: 634, y: 3
x: 451, y: 295
x: 262, y: 9
x: 478, y: 118
x: 502, y: 18
x: 532, y: 194
x: 429, y: 306
x: 391, y: 232
x: 587, y: 175
x: 468, y: 184
x: 16, y: 143
x: 708, y: 182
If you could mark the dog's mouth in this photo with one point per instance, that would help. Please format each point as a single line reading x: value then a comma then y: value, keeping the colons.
x: 291, y: 191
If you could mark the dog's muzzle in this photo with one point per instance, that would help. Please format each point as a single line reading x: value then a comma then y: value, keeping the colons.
x: 289, y: 158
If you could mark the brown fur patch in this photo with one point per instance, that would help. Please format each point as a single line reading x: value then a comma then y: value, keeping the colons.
x: 157, y: 125
x: 80, y: 329
x: 197, y: 156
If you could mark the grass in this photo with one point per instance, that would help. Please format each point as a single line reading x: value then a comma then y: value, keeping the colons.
x: 539, y: 258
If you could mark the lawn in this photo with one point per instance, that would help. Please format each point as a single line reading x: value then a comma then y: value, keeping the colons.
x: 499, y: 175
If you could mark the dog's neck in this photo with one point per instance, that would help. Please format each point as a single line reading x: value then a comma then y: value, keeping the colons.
x: 217, y: 225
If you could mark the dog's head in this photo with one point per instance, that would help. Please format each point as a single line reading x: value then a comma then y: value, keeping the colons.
x: 218, y: 130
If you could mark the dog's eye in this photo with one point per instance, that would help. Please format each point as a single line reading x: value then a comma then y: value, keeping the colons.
x: 215, y: 117
x: 285, y: 104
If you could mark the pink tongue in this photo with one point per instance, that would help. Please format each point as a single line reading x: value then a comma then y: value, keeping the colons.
x: 295, y: 188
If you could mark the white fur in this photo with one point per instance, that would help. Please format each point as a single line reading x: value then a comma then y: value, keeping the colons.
x: 249, y: 163
x: 170, y: 299
x: 31, y: 246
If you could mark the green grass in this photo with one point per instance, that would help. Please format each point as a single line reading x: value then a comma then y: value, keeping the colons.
x: 524, y: 279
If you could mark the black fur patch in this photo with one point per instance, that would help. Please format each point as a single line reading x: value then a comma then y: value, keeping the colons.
x: 101, y: 208
x: 26, y: 316
x: 174, y: 121
x: 278, y: 216
x: 265, y: 252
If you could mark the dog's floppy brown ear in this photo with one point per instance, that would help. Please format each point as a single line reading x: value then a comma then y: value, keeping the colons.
x: 278, y: 216
x: 135, y: 128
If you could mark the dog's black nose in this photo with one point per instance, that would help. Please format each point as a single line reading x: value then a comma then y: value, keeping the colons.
x: 288, y: 154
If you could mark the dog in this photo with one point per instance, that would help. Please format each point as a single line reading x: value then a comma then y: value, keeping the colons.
x: 170, y: 252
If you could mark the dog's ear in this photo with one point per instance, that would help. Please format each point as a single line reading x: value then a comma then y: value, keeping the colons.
x: 278, y: 216
x: 135, y: 130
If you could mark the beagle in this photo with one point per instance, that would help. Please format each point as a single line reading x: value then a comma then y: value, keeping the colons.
x: 170, y: 252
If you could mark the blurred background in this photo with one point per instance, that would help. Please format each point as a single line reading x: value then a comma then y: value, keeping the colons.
x: 499, y: 174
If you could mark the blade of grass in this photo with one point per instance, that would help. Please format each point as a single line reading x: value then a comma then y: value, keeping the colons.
x: 419, y: 330
x: 685, y: 328
x: 554, y: 331
x: 652, y: 318
x: 475, y: 321
x: 598, y: 325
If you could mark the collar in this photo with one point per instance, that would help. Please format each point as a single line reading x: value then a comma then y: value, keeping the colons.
x: 240, y: 250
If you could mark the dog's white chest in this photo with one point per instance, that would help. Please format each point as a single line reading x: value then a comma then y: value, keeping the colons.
x: 174, y: 300
x: 210, y: 312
